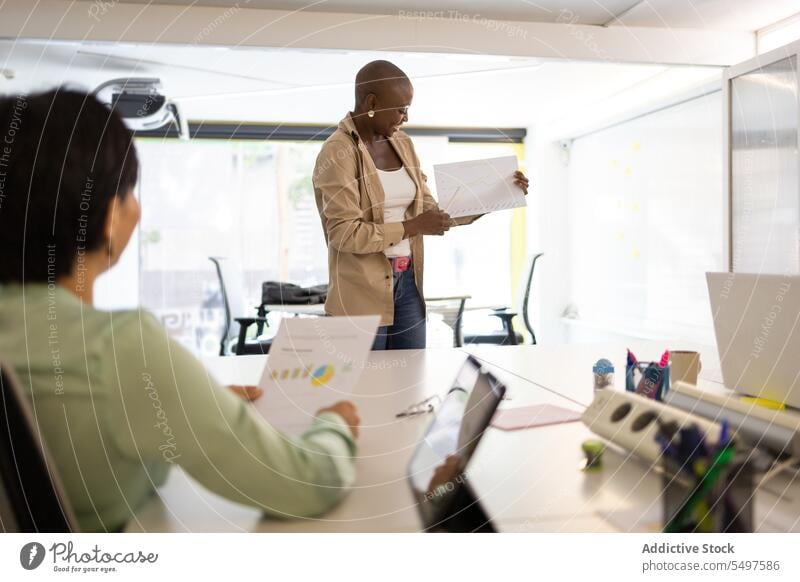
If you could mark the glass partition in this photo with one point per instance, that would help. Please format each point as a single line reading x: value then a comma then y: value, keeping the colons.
x: 765, y: 198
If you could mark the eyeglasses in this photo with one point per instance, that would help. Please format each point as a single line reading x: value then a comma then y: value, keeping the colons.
x: 423, y: 407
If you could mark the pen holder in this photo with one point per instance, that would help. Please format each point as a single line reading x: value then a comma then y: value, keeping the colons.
x: 724, y: 507
x: 635, y: 373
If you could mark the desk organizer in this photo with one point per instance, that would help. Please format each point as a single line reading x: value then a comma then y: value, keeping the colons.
x: 648, y: 379
x: 632, y: 422
x: 690, y: 505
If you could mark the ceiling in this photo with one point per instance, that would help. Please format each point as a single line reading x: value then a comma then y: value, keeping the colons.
x: 741, y: 15
x: 591, y: 12
x: 316, y: 86
x: 748, y: 15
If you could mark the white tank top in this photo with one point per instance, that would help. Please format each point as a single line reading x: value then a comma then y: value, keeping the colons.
x: 400, y: 192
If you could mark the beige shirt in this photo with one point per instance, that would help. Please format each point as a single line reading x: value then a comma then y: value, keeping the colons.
x: 351, y: 203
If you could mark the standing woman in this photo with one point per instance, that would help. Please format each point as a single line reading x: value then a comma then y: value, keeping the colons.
x: 375, y: 207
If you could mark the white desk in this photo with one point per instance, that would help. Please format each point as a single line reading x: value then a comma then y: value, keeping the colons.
x: 316, y: 309
x: 381, y: 500
x: 527, y: 480
x: 447, y: 306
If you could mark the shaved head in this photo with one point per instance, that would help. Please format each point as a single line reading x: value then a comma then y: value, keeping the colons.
x: 379, y: 78
x: 383, y: 96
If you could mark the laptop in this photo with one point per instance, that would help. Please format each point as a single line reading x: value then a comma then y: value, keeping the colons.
x: 436, y: 474
x: 757, y: 324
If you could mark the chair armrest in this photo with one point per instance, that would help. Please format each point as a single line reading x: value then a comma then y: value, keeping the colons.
x: 244, y: 323
x: 248, y: 321
x: 493, y: 307
x: 504, y: 315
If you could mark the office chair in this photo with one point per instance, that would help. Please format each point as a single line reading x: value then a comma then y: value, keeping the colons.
x: 452, y: 311
x: 237, y: 322
x: 507, y: 336
x: 32, y: 499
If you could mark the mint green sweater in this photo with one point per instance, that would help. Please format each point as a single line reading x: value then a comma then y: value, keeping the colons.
x: 119, y: 402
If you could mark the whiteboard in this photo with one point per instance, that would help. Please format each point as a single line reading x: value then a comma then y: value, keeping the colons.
x: 646, y: 219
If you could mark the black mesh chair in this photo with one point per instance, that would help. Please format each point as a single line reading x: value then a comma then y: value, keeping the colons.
x: 32, y: 499
x: 237, y: 322
x: 507, y: 336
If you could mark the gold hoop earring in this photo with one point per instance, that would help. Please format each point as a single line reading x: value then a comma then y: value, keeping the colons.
x: 110, y: 250
x: 370, y: 113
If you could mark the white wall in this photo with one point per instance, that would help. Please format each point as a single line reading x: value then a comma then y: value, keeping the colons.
x: 632, y: 222
x: 547, y: 232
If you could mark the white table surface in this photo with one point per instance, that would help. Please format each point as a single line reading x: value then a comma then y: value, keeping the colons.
x: 527, y: 480
x: 318, y: 309
x: 314, y: 309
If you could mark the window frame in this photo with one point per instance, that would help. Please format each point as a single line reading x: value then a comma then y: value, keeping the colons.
x: 311, y: 132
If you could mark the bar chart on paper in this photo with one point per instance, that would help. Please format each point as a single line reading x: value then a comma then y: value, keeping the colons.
x: 478, y: 186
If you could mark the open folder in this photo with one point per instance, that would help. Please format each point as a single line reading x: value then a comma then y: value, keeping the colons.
x: 478, y: 186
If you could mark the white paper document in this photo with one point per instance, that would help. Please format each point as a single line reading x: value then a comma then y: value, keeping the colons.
x: 313, y: 363
x: 478, y: 186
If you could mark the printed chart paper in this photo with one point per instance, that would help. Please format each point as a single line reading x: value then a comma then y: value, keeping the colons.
x: 478, y: 186
x: 313, y: 363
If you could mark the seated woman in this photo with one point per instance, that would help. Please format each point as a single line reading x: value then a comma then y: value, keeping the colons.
x: 117, y: 400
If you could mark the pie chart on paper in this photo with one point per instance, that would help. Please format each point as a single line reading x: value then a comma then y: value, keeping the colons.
x: 322, y: 375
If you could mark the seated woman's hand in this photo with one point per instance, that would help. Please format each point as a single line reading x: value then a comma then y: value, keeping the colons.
x: 347, y: 410
x: 445, y: 473
x: 521, y: 181
x: 248, y: 393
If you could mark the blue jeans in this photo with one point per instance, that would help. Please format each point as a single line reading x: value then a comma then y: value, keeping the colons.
x: 408, y: 330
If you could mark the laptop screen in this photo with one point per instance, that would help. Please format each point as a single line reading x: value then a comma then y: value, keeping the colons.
x: 437, y: 469
x: 757, y: 324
